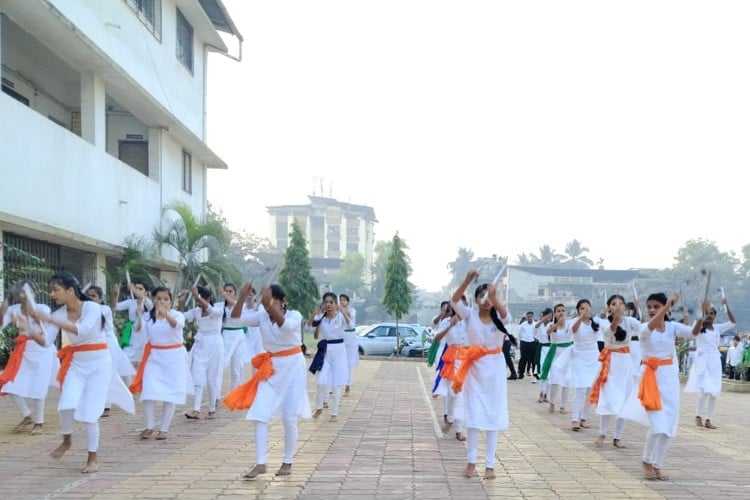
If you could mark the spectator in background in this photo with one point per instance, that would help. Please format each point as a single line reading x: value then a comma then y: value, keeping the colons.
x: 734, y: 358
x: 528, y: 345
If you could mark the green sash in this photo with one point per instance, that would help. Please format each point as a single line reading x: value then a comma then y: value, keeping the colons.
x: 235, y: 328
x: 127, y: 330
x: 550, y: 356
x: 432, y: 353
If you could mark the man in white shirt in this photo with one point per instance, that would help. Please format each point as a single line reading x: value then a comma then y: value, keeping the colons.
x: 528, y: 346
x: 734, y: 358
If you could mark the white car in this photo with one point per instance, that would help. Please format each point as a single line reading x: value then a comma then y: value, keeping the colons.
x: 380, y: 338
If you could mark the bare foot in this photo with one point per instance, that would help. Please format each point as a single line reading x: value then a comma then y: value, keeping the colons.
x: 489, y: 473
x: 599, y: 440
x: 325, y: 405
x: 470, y: 470
x: 161, y: 435
x: 333, y: 418
x: 318, y: 412
x: 460, y: 436
x: 552, y: 407
x: 284, y: 470
x: 562, y: 410
x: 584, y: 425
x: 447, y: 427
x: 648, y: 470
x: 58, y: 452
x: 25, y: 422
x: 106, y: 412
x: 574, y: 426
x: 540, y: 399
x: 146, y: 433
x: 660, y: 475
x: 616, y: 443
x: 193, y: 415
x: 211, y: 415
x: 36, y: 430
x: 347, y: 391
x: 92, y: 465
x: 255, y: 472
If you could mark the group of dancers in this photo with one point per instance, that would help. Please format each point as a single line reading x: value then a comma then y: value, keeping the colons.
x: 616, y: 364
x: 95, y: 369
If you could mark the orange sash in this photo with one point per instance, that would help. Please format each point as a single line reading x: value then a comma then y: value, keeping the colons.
x: 66, y: 357
x: 448, y: 371
x: 604, y: 358
x: 137, y: 385
x: 243, y: 396
x: 648, y: 392
x: 14, y: 362
x: 468, y: 355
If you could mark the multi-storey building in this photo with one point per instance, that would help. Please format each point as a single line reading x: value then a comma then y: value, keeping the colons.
x: 332, y: 228
x: 102, y: 122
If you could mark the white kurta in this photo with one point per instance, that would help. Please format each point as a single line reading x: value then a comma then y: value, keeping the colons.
x: 485, y: 388
x: 335, y: 371
x: 660, y: 345
x: 350, y: 341
x: 166, y: 376
x: 207, y: 352
x: 285, y: 392
x: 620, y: 382
x: 39, y: 366
x: 233, y: 336
x: 120, y: 362
x: 585, y: 356
x: 134, y: 351
x: 541, y: 335
x: 561, y: 370
x: 705, y: 374
x: 456, y: 336
x: 90, y: 381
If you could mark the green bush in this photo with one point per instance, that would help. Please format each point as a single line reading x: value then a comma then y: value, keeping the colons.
x: 7, y: 342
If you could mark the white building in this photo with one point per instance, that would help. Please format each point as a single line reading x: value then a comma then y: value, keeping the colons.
x: 102, y: 122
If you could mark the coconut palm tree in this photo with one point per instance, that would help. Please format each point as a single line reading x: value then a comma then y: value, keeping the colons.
x: 199, y: 244
x: 576, y: 256
x: 547, y: 257
x: 460, y: 266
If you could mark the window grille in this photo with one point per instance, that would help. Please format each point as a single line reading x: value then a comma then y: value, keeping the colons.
x: 184, y: 41
x: 149, y: 12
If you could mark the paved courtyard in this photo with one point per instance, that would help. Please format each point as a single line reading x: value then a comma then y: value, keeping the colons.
x: 386, y: 445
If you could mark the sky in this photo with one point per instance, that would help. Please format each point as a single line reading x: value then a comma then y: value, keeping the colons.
x: 494, y: 126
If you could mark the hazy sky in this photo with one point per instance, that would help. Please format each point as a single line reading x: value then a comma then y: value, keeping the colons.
x: 496, y: 126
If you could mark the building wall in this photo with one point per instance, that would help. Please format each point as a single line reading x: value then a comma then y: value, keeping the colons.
x: 115, y: 28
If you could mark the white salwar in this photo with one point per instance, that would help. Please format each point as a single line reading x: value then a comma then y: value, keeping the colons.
x: 351, y: 344
x: 134, y: 351
x: 234, y: 338
x: 335, y: 371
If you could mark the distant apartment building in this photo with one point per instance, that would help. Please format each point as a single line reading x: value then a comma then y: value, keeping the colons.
x: 103, y: 108
x: 332, y: 228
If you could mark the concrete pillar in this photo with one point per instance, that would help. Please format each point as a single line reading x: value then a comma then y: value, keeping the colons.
x: 93, y: 110
x: 155, y: 153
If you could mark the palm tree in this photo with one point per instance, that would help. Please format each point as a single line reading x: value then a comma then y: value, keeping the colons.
x: 547, y: 257
x: 460, y: 266
x: 576, y: 255
x: 199, y: 243
x: 132, y: 262
x: 524, y: 259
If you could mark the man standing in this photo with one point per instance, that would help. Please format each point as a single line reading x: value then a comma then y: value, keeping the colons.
x: 528, y: 346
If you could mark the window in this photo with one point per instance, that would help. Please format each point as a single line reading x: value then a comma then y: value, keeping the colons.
x: 187, y: 172
x: 352, y: 247
x: 149, y: 12
x: 7, y: 89
x: 184, y: 41
x: 135, y: 154
x: 333, y: 246
x: 352, y: 232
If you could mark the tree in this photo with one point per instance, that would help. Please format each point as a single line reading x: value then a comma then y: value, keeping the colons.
x: 524, y: 259
x: 199, y: 243
x: 350, y: 277
x: 576, y: 256
x: 296, y: 274
x: 397, y: 297
x: 547, y: 257
x: 132, y: 262
x: 460, y: 266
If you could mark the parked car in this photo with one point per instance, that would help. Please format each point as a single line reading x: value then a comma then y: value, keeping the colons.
x: 380, y: 338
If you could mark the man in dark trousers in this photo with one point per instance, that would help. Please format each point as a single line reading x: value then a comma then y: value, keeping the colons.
x: 528, y: 346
